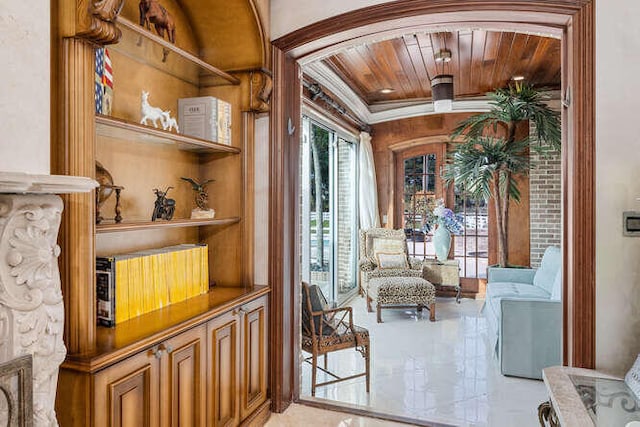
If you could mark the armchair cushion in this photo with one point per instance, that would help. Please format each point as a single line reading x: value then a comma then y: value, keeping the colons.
x: 391, y: 260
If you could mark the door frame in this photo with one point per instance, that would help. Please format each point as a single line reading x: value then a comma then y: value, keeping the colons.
x: 574, y: 20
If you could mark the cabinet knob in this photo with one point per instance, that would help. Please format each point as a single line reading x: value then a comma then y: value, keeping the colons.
x: 168, y: 348
x: 157, y: 353
x: 240, y: 311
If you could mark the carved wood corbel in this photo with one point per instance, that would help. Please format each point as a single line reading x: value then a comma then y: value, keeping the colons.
x: 261, y: 88
x: 95, y: 20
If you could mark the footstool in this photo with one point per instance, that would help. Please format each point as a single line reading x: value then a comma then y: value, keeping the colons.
x: 401, y: 292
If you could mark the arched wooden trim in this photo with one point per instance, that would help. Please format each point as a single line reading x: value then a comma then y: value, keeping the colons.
x: 411, y: 8
x: 577, y: 18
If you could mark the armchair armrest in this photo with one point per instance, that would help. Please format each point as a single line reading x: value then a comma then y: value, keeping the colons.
x: 365, y: 264
x: 415, y: 263
x: 332, y: 318
x: 530, y: 336
x: 517, y: 275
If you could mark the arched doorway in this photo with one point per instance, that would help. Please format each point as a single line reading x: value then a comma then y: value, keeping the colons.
x: 574, y: 20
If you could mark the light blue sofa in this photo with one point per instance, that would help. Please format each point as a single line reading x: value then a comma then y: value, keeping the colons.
x: 524, y: 316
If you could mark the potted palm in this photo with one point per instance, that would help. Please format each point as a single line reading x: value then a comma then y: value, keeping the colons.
x: 491, y: 158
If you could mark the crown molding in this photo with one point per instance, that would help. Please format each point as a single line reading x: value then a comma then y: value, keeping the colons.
x: 325, y: 77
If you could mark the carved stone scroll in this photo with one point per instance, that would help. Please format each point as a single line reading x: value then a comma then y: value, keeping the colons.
x: 31, y: 307
x: 96, y: 20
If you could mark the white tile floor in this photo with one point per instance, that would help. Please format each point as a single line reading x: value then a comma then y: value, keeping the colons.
x: 440, y: 372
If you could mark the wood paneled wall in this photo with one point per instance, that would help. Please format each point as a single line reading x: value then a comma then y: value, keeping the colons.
x: 402, y: 134
x: 387, y: 134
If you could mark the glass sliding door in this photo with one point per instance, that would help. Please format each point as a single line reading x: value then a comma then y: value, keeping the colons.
x: 329, y: 211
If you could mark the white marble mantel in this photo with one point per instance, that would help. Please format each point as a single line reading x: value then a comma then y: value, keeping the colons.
x: 26, y: 183
x: 31, y: 304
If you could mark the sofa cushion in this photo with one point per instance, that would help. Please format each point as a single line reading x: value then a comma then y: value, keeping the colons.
x: 546, y: 274
x: 511, y: 289
x: 556, y: 291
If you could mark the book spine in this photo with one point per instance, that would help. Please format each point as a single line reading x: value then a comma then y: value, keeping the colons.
x: 105, y: 292
x: 122, y: 290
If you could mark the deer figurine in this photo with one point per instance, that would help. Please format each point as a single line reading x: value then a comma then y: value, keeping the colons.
x: 151, y: 113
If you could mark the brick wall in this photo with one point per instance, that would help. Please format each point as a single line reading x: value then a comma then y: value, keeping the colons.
x: 545, y: 199
x: 346, y: 279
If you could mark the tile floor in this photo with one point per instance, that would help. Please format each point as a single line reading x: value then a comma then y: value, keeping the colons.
x: 440, y: 372
x: 298, y: 415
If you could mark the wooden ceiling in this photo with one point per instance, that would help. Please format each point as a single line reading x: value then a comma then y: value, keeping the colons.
x: 481, y: 61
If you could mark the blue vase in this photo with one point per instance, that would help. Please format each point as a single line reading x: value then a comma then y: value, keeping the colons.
x: 442, y: 242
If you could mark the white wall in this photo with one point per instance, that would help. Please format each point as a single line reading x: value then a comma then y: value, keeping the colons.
x: 25, y: 81
x: 617, y: 163
x: 289, y: 15
x: 617, y: 183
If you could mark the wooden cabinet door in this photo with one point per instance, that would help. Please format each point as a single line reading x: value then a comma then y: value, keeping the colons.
x: 126, y: 394
x: 224, y: 363
x: 183, y: 374
x: 253, y: 379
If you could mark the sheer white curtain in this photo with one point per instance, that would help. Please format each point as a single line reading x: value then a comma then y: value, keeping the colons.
x: 368, y: 190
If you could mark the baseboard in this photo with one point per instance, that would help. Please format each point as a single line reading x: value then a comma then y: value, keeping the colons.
x: 259, y: 417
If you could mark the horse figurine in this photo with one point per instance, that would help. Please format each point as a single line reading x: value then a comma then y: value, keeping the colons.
x: 151, y: 113
x: 151, y: 12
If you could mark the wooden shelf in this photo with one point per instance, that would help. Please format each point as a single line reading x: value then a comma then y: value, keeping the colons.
x: 132, y: 44
x: 174, y: 223
x: 123, y: 129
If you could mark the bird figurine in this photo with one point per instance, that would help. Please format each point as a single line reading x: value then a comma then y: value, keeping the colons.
x: 202, y: 198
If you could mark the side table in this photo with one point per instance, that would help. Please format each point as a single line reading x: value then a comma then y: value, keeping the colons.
x: 584, y: 397
x: 443, y: 274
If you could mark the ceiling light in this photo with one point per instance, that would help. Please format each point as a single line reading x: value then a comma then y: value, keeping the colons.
x: 517, y: 78
x: 387, y: 90
x: 443, y: 56
x: 442, y: 91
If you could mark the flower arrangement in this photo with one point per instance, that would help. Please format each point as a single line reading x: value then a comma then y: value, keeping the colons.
x: 444, y: 217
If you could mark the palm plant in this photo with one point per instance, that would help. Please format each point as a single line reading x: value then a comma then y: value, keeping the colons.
x: 488, y: 166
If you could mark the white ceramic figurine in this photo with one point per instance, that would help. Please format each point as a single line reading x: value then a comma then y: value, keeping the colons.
x: 169, y: 122
x: 151, y: 113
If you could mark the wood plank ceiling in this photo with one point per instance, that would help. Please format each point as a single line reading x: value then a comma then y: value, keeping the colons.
x: 480, y: 62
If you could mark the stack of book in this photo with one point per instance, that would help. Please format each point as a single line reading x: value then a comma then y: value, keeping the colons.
x: 130, y: 285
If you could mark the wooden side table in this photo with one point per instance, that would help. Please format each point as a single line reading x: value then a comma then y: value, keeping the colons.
x: 443, y: 274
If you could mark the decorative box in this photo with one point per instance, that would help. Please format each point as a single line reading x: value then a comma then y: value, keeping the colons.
x: 205, y: 117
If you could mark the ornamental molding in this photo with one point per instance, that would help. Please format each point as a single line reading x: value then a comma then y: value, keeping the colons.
x: 31, y: 305
x: 96, y: 20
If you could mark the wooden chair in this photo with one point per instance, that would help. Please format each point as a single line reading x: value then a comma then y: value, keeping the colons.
x: 327, y: 329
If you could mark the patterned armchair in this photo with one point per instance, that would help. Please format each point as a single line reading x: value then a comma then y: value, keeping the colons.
x: 389, y: 277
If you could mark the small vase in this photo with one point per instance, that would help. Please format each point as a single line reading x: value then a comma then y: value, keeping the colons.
x: 442, y: 242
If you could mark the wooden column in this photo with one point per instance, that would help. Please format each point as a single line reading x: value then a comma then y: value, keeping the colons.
x: 77, y: 138
x: 283, y: 226
x: 579, y: 196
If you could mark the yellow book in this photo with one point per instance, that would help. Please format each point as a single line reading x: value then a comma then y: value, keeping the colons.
x: 160, y: 279
x: 135, y: 287
x: 204, y: 269
x: 149, y: 302
x: 122, y: 290
x: 171, y: 273
x: 177, y: 264
x: 188, y: 273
